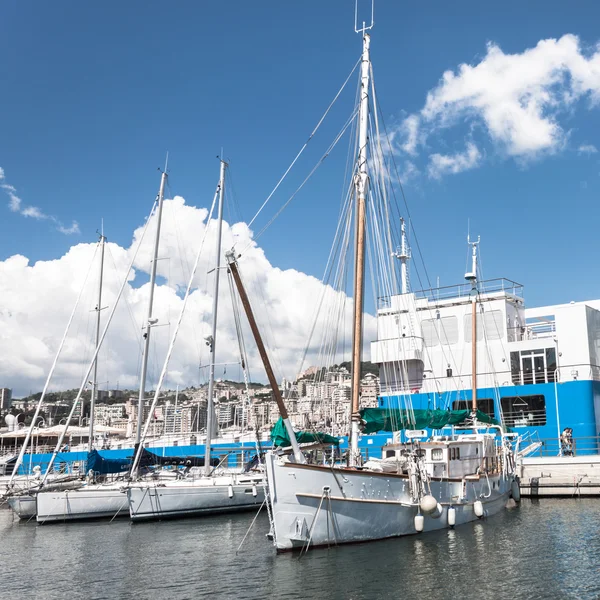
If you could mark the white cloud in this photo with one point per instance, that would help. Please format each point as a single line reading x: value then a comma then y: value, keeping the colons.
x: 443, y: 164
x: 587, y: 149
x: 32, y: 323
x: 15, y: 204
x: 518, y: 98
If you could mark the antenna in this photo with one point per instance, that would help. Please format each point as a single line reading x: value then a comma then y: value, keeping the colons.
x: 472, y: 274
x: 364, y: 25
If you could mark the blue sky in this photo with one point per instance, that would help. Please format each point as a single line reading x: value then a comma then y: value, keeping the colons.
x: 94, y: 94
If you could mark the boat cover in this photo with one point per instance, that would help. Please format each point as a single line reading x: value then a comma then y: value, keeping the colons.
x: 395, y: 419
x: 280, y: 437
x: 103, y: 466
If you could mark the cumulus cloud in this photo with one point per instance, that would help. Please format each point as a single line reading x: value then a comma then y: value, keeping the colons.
x: 517, y: 99
x: 442, y: 164
x: 32, y: 323
x: 587, y: 149
x: 15, y: 204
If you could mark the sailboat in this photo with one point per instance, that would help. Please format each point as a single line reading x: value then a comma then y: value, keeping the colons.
x: 211, y: 491
x: 429, y: 482
x: 106, y: 499
x: 25, y: 502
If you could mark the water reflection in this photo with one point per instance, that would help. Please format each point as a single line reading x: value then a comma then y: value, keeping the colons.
x: 549, y: 549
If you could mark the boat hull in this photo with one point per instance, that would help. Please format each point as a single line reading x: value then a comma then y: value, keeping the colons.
x: 318, y: 506
x: 90, y: 502
x: 202, y: 497
x: 24, y: 507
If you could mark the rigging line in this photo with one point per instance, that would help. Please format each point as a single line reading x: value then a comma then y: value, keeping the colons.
x: 50, y: 374
x: 408, y: 213
x: 305, y: 181
x: 173, y: 340
x: 101, y: 339
x: 310, y: 137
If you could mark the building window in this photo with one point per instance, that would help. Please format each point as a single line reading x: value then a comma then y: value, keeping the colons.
x: 524, y: 411
x: 485, y: 405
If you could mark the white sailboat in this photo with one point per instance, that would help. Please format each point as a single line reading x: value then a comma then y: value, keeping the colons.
x: 210, y: 492
x: 418, y: 486
x: 25, y: 503
x: 96, y: 500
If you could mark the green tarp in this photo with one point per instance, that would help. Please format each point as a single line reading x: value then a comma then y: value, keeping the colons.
x: 280, y: 437
x: 395, y: 419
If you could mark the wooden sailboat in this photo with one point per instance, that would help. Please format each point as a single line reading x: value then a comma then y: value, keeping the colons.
x: 422, y: 486
x: 210, y: 492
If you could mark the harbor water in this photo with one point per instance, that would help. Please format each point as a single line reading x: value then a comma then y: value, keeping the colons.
x: 543, y: 549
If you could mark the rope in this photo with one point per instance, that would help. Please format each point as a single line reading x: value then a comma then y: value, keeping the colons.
x: 310, y: 137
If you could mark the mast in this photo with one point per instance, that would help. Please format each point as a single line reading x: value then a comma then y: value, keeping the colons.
x: 359, y: 256
x: 94, y: 396
x: 265, y: 359
x: 403, y: 256
x: 149, y: 320
x: 211, y: 341
x: 472, y: 278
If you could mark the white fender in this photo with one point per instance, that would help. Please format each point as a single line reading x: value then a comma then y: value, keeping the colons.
x: 419, y: 523
x: 230, y: 491
x: 451, y: 516
x: 428, y: 504
x: 254, y: 491
x: 478, y: 508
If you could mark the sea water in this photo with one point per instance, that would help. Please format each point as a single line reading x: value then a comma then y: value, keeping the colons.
x: 543, y: 549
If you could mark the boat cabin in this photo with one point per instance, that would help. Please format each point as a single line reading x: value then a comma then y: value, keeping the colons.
x: 452, y: 457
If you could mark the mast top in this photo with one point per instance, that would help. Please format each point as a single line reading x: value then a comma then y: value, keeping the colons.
x: 364, y: 27
x: 471, y: 275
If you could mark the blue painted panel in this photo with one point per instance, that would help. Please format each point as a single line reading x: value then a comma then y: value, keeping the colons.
x: 575, y: 405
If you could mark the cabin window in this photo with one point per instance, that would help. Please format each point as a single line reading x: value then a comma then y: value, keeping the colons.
x: 429, y: 332
x: 524, y: 411
x: 449, y: 330
x: 533, y: 366
x: 437, y: 454
x: 458, y: 454
x: 493, y: 324
x: 485, y: 405
x: 442, y: 330
x: 490, y: 324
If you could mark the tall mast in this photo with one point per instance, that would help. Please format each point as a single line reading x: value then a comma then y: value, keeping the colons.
x: 299, y: 457
x: 359, y: 256
x: 472, y: 278
x: 212, y: 340
x: 94, y: 396
x: 403, y: 256
x: 149, y: 320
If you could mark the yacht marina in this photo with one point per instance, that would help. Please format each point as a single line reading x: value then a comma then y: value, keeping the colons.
x: 211, y: 424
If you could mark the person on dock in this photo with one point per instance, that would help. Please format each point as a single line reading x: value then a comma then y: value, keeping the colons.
x: 566, y: 442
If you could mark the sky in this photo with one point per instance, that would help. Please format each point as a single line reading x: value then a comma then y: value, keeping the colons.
x: 493, y: 112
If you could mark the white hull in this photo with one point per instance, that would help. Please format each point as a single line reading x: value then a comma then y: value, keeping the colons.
x: 197, y: 497
x: 89, y: 502
x: 358, y: 506
x: 23, y: 506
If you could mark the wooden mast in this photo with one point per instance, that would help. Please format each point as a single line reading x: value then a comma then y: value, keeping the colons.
x: 359, y: 256
x: 264, y: 357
